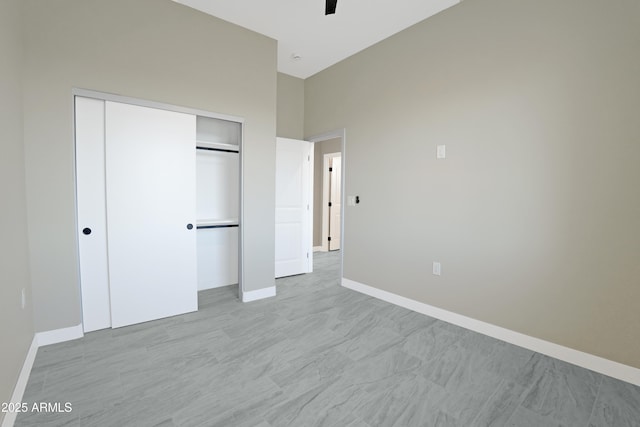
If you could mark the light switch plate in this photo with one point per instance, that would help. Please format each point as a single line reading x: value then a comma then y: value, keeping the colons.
x: 351, y: 200
x: 436, y: 268
x: 441, y: 152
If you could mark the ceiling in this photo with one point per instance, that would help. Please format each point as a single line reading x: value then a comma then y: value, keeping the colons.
x: 309, y: 41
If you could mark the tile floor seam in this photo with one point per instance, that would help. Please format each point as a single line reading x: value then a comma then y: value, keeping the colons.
x: 486, y: 403
x: 595, y: 402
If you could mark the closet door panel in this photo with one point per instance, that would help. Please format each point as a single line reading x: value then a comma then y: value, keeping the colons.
x: 92, y: 216
x: 151, y: 199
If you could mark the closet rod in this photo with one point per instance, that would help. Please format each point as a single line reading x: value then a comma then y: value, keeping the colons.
x: 216, y: 149
x: 216, y: 226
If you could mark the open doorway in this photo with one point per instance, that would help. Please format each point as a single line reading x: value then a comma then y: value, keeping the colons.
x: 328, y: 221
x: 331, y: 201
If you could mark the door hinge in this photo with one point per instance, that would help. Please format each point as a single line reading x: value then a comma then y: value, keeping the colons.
x: 330, y: 169
x: 329, y: 238
x: 329, y: 204
x: 309, y: 158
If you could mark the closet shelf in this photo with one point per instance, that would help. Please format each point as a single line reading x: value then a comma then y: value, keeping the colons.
x: 216, y: 222
x: 221, y: 146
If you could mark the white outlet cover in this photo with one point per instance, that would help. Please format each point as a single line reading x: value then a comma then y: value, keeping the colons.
x: 441, y: 152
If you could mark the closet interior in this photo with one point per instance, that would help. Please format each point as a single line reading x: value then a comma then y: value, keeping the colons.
x: 217, y: 201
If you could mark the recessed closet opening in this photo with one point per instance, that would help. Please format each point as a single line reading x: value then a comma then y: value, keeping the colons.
x: 159, y: 207
x: 217, y: 201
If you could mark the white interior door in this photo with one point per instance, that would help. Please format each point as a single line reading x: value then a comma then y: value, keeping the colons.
x: 92, y: 215
x: 335, y: 209
x: 151, y: 201
x: 294, y: 189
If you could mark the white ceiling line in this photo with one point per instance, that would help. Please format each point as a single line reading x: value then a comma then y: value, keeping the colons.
x: 302, y: 29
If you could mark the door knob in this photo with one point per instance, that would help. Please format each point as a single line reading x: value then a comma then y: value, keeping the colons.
x: 86, y: 231
x: 189, y: 226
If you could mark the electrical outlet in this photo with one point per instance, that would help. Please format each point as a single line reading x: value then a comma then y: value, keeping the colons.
x: 24, y: 298
x: 441, y: 152
x: 436, y: 268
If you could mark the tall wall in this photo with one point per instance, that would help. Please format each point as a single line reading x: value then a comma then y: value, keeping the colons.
x: 16, y: 324
x: 535, y: 212
x: 290, y: 111
x: 150, y: 49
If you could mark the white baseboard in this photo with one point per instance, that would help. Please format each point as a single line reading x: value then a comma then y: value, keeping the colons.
x: 39, y: 339
x: 207, y: 286
x: 249, y: 296
x: 589, y: 361
x: 59, y: 335
x: 21, y: 384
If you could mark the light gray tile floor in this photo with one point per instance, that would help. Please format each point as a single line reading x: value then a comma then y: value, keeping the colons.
x: 315, y: 355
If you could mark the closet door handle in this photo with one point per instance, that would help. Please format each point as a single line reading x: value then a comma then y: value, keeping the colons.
x: 189, y: 226
x: 86, y: 231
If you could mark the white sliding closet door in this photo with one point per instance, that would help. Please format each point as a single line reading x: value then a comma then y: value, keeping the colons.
x: 92, y: 216
x: 294, y: 190
x: 151, y: 212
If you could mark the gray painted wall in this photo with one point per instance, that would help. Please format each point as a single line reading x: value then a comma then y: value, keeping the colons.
x: 535, y: 213
x: 320, y: 149
x: 149, y: 49
x: 16, y: 324
x: 290, y: 111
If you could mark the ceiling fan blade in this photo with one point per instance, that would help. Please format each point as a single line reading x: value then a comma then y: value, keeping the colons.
x: 330, y: 7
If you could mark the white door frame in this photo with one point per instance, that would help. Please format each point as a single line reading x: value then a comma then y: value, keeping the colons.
x: 86, y: 93
x: 325, y: 198
x: 338, y: 133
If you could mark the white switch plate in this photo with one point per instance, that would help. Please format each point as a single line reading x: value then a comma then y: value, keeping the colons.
x: 441, y: 152
x: 436, y: 268
x: 351, y: 200
x: 24, y: 298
